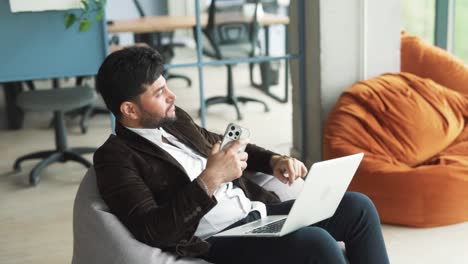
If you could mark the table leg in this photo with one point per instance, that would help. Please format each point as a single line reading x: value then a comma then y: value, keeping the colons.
x: 266, y: 84
x: 15, y: 115
x: 267, y: 40
x: 265, y: 73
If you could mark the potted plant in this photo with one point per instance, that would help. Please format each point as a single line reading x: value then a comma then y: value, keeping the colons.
x: 90, y: 10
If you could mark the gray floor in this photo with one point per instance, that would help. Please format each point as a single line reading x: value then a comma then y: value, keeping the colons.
x: 35, y: 223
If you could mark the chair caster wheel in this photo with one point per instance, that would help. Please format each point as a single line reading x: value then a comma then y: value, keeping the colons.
x: 34, y: 181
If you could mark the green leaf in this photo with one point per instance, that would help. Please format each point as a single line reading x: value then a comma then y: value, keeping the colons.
x: 99, y: 4
x: 69, y: 19
x: 85, y: 24
x: 99, y: 15
x: 85, y: 5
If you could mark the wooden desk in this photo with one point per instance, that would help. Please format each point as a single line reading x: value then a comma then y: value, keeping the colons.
x: 171, y: 23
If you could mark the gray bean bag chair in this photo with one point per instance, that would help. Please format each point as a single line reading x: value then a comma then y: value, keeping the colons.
x: 99, y: 237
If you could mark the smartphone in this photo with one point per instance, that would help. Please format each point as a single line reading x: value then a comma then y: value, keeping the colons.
x: 234, y: 132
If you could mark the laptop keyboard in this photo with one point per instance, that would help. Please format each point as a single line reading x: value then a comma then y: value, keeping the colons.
x: 273, y: 227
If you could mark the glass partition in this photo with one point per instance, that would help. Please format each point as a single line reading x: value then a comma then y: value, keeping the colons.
x: 265, y: 65
x: 460, y: 33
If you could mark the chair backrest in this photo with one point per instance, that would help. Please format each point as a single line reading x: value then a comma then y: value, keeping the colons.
x: 229, y: 24
x: 99, y: 236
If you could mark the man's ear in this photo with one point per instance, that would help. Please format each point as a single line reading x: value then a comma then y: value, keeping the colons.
x: 129, y: 110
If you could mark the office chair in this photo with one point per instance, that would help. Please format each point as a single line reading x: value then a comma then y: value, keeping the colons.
x: 231, y: 37
x: 163, y: 42
x: 89, y: 110
x: 85, y: 112
x: 59, y: 101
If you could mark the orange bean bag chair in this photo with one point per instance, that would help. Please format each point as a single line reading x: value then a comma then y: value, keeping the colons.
x: 428, y: 61
x: 414, y: 136
x: 413, y: 133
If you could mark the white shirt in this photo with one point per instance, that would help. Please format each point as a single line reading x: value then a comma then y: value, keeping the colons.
x: 232, y: 205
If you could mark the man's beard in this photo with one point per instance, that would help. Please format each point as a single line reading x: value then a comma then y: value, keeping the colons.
x: 149, y: 121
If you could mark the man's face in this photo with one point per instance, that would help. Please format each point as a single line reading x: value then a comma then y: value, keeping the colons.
x: 156, y: 106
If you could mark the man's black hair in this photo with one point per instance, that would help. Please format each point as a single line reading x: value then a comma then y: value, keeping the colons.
x: 125, y: 74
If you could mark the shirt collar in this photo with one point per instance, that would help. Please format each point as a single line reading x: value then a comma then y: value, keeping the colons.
x: 153, y: 134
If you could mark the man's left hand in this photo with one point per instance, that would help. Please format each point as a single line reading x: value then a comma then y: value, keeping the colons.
x: 287, y: 169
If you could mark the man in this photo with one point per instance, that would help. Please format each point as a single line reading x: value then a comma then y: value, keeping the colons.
x: 169, y: 183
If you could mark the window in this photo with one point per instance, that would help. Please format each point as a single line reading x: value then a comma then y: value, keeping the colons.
x: 418, y: 18
x: 460, y: 36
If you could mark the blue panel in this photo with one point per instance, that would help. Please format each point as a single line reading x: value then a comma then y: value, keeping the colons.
x: 36, y: 45
x: 441, y: 23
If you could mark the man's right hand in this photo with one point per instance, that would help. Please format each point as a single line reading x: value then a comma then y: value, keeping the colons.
x: 224, y: 165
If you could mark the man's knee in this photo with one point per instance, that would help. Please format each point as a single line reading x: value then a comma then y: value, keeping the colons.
x: 313, y: 235
x: 359, y: 203
x: 315, y: 245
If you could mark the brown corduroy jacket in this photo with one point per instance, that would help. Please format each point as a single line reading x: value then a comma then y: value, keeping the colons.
x: 151, y: 193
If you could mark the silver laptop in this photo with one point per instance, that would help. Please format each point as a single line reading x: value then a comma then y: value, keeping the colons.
x: 325, y: 186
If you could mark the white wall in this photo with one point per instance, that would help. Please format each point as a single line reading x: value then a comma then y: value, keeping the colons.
x: 383, y: 49
x: 359, y: 39
x: 346, y: 41
x: 340, y: 45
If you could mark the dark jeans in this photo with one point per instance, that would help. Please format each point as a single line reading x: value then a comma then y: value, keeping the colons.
x: 355, y: 222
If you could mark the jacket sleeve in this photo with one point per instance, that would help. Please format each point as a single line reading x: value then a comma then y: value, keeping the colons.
x: 259, y: 158
x: 128, y: 196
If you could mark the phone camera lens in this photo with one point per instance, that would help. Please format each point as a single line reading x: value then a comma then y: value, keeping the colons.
x: 237, y: 133
x: 232, y: 127
x: 230, y: 134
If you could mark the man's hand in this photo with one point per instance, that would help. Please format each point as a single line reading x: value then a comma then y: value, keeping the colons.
x: 287, y: 169
x: 224, y: 165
